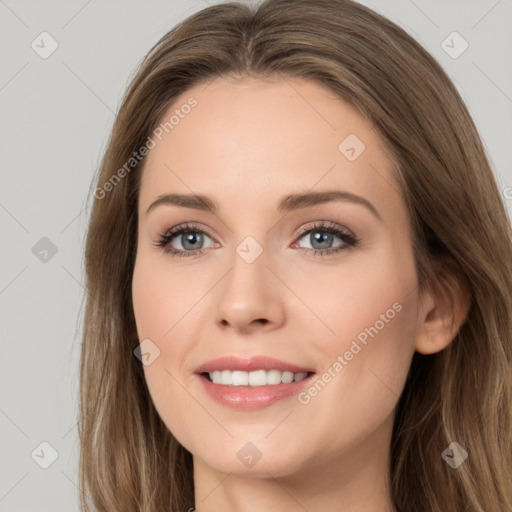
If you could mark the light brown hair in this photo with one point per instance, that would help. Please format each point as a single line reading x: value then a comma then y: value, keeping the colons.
x: 129, y: 461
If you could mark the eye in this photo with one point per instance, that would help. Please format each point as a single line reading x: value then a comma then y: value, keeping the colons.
x: 189, y: 236
x: 321, y: 237
x: 188, y: 240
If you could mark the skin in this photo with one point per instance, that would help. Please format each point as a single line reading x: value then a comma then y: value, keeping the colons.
x: 247, y: 144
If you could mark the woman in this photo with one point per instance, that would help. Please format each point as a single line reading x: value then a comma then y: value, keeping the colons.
x: 228, y: 366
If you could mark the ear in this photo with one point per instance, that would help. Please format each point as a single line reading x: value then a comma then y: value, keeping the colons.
x: 443, y: 309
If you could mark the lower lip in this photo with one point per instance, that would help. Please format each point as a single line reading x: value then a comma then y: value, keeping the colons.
x: 248, y: 398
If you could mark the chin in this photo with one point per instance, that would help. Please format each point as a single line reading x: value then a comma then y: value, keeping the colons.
x: 256, y: 459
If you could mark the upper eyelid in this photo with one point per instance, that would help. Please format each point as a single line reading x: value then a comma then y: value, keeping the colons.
x: 326, y: 225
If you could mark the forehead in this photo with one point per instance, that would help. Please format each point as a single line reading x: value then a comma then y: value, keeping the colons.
x: 251, y: 135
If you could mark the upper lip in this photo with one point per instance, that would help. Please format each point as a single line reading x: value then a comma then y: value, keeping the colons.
x: 250, y: 364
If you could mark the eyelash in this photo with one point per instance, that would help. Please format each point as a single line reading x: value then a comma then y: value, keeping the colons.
x: 351, y: 239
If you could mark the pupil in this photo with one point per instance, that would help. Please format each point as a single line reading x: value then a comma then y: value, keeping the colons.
x: 190, y: 239
x: 322, y: 239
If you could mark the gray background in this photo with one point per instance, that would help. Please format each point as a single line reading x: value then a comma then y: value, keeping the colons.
x: 56, y: 114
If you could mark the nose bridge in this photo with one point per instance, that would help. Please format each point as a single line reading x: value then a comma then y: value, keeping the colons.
x: 248, y: 276
x: 252, y: 234
x: 250, y: 237
x: 248, y: 291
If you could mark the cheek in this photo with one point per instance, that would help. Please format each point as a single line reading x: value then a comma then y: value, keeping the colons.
x: 366, y: 373
x: 370, y: 297
x: 373, y: 316
x: 375, y: 324
x: 161, y: 296
x: 174, y: 398
x: 162, y: 307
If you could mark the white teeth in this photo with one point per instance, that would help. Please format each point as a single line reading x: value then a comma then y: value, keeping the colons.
x: 226, y: 377
x: 239, y: 378
x: 255, y: 378
x: 274, y: 377
x: 287, y: 377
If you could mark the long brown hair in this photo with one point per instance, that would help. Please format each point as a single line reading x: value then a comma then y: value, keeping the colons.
x: 129, y: 461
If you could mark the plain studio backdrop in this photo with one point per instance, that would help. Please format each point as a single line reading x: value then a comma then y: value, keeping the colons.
x: 65, y: 66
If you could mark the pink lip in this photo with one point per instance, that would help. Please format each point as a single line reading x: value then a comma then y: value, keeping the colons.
x: 250, y: 364
x: 247, y: 397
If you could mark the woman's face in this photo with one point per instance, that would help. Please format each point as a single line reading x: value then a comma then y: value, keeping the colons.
x: 326, y: 287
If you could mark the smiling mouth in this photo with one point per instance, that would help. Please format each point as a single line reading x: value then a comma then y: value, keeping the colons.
x: 256, y: 378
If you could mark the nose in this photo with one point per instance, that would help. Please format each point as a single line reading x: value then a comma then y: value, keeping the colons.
x: 250, y: 297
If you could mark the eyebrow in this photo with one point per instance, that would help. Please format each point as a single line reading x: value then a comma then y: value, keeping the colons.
x: 286, y: 204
